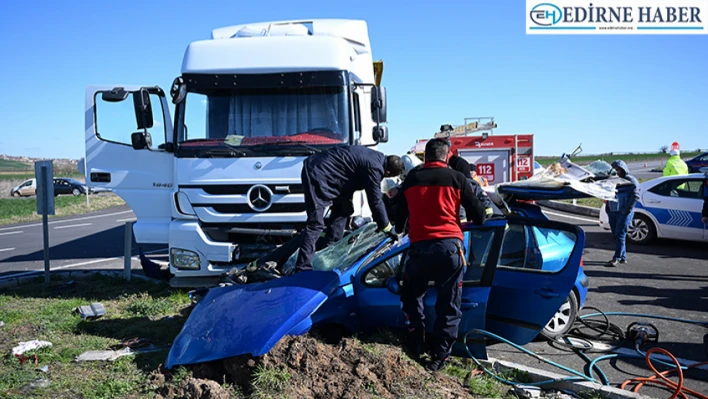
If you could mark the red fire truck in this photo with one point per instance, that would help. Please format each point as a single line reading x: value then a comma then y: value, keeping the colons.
x: 499, y: 158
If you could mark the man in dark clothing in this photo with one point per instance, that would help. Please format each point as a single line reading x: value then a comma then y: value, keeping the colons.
x: 430, y: 207
x: 621, y: 212
x: 461, y: 165
x: 330, y: 178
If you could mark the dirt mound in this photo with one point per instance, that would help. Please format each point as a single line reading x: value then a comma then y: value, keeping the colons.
x: 304, y: 367
x: 193, y: 388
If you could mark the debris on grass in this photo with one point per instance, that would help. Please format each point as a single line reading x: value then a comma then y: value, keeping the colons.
x: 29, y: 346
x: 90, y: 312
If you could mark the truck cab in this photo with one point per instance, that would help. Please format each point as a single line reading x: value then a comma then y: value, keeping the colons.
x: 220, y: 183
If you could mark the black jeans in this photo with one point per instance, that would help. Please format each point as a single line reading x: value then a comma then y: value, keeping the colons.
x: 340, y: 211
x: 439, y: 261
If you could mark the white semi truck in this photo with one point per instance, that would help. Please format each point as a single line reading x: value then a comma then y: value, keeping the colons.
x: 220, y: 184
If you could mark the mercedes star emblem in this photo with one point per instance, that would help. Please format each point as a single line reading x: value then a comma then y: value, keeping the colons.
x: 259, y: 198
x: 258, y: 165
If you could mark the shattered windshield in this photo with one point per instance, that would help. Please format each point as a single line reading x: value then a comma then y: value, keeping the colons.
x: 600, y: 169
x: 345, y: 252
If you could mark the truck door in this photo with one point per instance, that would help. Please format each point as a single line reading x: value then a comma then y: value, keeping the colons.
x: 128, y: 151
x: 493, y: 165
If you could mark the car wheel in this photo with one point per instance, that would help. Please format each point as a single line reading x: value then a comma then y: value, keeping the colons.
x: 16, y: 194
x: 641, y: 230
x: 563, y: 320
x: 76, y: 192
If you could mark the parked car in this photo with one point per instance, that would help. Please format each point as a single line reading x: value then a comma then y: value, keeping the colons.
x: 25, y: 189
x: 669, y: 207
x: 521, y: 273
x: 698, y: 164
x: 66, y: 186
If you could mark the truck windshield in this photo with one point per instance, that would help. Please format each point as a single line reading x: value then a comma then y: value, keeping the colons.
x: 259, y: 119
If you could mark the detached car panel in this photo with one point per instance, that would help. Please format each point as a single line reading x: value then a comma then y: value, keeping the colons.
x: 348, y: 287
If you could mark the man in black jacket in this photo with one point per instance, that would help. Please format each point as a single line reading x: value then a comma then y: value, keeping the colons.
x: 461, y: 165
x: 330, y: 178
x: 430, y: 207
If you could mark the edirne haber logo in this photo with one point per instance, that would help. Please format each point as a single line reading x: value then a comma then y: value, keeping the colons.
x: 617, y: 17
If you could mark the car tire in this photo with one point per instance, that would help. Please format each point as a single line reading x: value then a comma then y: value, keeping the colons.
x: 16, y: 194
x: 562, y: 321
x: 641, y: 230
x: 76, y: 192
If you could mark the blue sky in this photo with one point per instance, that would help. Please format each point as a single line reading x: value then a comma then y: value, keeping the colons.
x: 444, y: 61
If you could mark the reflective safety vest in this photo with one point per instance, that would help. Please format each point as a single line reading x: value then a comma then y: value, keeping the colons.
x: 675, y: 166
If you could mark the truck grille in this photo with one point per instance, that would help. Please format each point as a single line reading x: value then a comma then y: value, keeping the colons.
x: 244, y: 208
x: 243, y: 188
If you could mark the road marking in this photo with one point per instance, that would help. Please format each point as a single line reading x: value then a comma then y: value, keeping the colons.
x: 73, y: 225
x: 90, y: 262
x: 570, y: 217
x: 125, y: 220
x: 6, y: 249
x: 11, y: 232
x: 66, y: 220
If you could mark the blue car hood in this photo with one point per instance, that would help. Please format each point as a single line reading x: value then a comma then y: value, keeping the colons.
x: 250, y: 319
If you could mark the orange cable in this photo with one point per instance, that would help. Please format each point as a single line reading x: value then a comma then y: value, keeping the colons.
x: 679, y: 389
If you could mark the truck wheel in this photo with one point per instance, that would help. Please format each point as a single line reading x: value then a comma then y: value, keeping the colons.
x: 563, y: 320
x: 641, y: 230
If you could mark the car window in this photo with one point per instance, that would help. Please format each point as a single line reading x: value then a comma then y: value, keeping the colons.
x: 480, y: 244
x: 377, y: 275
x: 344, y: 253
x: 680, y: 188
x: 704, y: 158
x: 536, y: 248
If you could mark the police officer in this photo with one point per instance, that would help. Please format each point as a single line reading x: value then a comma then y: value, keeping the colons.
x: 461, y: 165
x: 430, y: 207
x: 330, y: 178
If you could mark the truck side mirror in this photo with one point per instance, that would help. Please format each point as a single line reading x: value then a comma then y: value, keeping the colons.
x: 380, y: 134
x: 141, y: 140
x: 378, y: 104
x: 116, y: 95
x: 143, y: 109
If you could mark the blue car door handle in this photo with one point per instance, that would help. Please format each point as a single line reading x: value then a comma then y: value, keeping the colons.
x: 467, y: 305
x: 546, y: 293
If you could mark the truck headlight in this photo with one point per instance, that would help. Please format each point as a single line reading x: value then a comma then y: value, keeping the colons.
x: 184, y: 259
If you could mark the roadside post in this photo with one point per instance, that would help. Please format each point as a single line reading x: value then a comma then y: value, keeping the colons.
x: 44, y: 173
x: 128, y: 250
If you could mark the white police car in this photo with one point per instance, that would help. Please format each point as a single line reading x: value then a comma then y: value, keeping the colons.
x: 669, y: 207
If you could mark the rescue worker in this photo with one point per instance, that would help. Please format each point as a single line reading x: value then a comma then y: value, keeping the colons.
x: 461, y: 165
x: 675, y: 165
x: 621, y: 212
x: 430, y: 208
x: 479, y: 179
x: 330, y: 178
x: 391, y: 188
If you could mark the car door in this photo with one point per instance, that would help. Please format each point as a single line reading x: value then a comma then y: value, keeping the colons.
x: 676, y: 205
x: 380, y: 307
x: 140, y: 172
x: 27, y: 188
x: 537, y: 268
x: 700, y: 164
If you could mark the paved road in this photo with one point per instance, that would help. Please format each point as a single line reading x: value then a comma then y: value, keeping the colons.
x: 94, y: 240
x: 669, y: 278
x: 645, y: 172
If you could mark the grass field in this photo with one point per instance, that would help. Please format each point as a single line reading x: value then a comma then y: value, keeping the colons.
x: 8, y: 165
x: 17, y: 210
x: 586, y: 159
x: 137, y: 309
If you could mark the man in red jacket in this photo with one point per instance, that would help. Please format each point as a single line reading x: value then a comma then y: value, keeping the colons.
x: 430, y: 206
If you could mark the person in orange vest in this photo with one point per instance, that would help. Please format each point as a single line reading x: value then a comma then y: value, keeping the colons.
x: 479, y: 179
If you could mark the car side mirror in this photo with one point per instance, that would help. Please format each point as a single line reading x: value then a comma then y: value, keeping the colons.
x: 140, y: 140
x: 378, y: 104
x: 380, y: 134
x: 393, y: 286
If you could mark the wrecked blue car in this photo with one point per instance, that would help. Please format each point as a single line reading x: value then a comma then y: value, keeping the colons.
x: 521, y: 269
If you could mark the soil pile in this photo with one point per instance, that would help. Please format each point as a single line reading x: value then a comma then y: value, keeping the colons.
x: 305, y: 367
